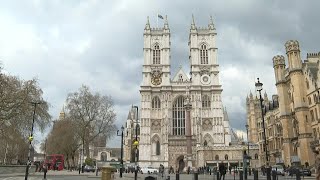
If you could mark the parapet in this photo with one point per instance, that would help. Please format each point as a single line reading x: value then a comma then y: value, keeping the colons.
x: 278, y: 60
x: 292, y: 45
x: 313, y: 55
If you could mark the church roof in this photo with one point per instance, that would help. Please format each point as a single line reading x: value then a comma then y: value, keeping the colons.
x: 180, y: 73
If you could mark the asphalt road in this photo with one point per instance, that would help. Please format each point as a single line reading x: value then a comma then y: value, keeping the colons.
x: 140, y: 177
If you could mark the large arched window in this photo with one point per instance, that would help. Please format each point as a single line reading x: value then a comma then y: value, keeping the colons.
x: 206, y: 101
x: 178, y: 114
x: 156, y: 103
x: 157, y: 148
x: 156, y: 54
x: 203, y: 54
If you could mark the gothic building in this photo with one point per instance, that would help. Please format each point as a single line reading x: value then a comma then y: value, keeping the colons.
x: 163, y: 119
x: 293, y: 124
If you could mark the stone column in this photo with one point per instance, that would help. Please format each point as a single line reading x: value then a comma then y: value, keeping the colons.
x: 188, y: 106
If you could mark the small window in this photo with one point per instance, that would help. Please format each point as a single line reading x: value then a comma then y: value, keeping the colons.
x: 156, y: 103
x: 180, y: 78
x: 158, y: 148
x: 226, y: 157
x: 256, y: 156
x: 206, y: 101
x: 216, y: 157
x: 205, y: 143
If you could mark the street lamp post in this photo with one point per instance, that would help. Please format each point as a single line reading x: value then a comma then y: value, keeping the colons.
x: 247, y: 127
x: 136, y: 145
x: 121, y: 155
x: 30, y: 139
x: 259, y: 88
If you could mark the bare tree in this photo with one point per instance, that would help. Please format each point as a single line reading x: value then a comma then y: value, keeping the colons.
x: 93, y: 113
x: 16, y: 113
x: 66, y: 144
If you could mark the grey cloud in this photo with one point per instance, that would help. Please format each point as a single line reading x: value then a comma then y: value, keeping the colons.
x: 99, y: 43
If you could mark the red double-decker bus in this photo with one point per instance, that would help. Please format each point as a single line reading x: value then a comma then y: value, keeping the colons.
x: 55, y: 162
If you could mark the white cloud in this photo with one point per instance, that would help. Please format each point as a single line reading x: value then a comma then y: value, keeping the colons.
x: 99, y: 43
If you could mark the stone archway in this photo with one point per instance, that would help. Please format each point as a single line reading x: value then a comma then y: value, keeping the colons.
x: 180, y: 164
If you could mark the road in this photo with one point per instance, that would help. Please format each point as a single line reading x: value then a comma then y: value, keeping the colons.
x: 75, y: 176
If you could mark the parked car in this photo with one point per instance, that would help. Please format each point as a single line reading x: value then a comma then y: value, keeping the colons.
x: 149, y: 170
x: 303, y: 171
x: 279, y: 169
x: 89, y: 169
x: 240, y: 169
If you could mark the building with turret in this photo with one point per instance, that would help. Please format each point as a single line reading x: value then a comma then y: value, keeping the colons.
x: 292, y: 122
x: 163, y: 116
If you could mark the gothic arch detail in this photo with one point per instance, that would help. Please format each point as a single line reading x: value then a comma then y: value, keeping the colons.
x: 156, y: 102
x: 156, y: 145
x: 207, y: 138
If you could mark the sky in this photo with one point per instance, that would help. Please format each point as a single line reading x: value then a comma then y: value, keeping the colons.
x: 99, y: 43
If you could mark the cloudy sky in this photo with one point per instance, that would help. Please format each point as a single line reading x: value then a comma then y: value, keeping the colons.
x: 67, y: 43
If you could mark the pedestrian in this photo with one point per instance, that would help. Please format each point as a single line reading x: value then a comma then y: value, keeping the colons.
x: 222, y: 170
x: 317, y: 164
x: 45, y: 169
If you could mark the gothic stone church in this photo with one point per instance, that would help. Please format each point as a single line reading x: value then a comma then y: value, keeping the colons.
x: 161, y: 125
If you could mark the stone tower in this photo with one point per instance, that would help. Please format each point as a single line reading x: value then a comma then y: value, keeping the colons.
x: 253, y: 113
x: 299, y: 100
x: 284, y: 106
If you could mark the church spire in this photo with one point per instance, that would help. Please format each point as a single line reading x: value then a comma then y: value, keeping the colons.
x: 148, y: 24
x: 193, y: 25
x: 62, y: 114
x: 166, y: 25
x: 211, y: 25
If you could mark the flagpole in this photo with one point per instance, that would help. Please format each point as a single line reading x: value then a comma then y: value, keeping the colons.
x: 157, y: 20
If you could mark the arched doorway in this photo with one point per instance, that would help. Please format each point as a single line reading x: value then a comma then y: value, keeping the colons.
x: 103, y: 156
x: 180, y: 163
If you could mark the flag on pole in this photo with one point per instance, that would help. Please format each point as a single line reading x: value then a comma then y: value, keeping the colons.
x: 159, y: 16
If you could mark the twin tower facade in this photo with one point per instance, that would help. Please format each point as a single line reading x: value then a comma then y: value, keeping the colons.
x: 162, y: 114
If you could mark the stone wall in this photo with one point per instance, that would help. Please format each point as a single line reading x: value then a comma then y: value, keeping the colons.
x: 12, y: 169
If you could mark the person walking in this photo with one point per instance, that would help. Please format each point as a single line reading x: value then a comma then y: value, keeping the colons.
x: 222, y: 170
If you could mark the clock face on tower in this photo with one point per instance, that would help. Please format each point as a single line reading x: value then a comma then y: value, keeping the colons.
x: 156, y: 80
x: 156, y: 77
x: 205, y: 79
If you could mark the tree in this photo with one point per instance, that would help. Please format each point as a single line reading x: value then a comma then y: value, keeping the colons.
x: 16, y: 112
x: 93, y: 114
x: 62, y: 139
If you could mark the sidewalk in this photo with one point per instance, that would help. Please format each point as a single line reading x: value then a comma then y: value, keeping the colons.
x: 54, y: 173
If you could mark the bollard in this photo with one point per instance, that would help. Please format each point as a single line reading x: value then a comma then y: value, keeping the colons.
x: 177, y: 176
x: 250, y: 171
x: 255, y: 174
x: 195, y: 176
x: 218, y: 175
x: 241, y: 175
